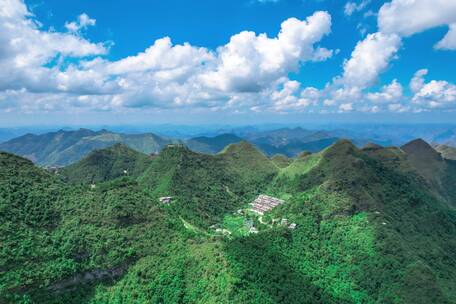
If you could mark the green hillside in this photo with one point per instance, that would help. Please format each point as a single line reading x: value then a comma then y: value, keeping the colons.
x: 370, y: 228
x: 281, y: 160
x: 107, y: 164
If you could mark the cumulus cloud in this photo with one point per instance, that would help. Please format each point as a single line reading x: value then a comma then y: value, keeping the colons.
x: 25, y: 50
x: 291, y: 97
x: 82, y: 22
x: 373, y: 55
x: 249, y: 73
x: 417, y: 82
x: 245, y: 72
x: 346, y: 107
x: 432, y: 94
x: 250, y: 62
x: 179, y: 75
x: 353, y: 7
x: 408, y: 17
x: 390, y: 93
x: 449, y: 41
x: 370, y: 57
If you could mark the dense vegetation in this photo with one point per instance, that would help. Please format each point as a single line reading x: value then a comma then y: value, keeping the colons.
x: 107, y: 164
x: 372, y: 226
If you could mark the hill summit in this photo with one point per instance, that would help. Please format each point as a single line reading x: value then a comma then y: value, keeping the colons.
x: 107, y: 164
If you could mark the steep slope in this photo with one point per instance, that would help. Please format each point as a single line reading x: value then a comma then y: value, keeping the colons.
x: 107, y: 164
x: 206, y: 187
x: 280, y: 160
x: 248, y: 166
x: 65, y: 147
x: 60, y: 241
x: 439, y: 173
x: 201, y: 190
x: 447, y: 152
x: 212, y: 145
x: 363, y: 225
x: 423, y: 157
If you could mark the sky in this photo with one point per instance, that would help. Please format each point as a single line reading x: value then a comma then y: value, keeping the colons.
x: 234, y: 61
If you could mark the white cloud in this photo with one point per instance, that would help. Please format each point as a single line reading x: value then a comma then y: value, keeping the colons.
x: 161, y: 56
x: 249, y: 73
x: 407, y: 17
x: 290, y: 97
x: 449, y: 41
x: 392, y: 92
x: 250, y: 62
x: 417, y: 81
x: 398, y: 108
x: 82, y: 22
x: 353, y: 7
x: 433, y: 94
x: 370, y: 57
x: 243, y: 73
x: 346, y: 107
x: 25, y: 50
x: 373, y: 55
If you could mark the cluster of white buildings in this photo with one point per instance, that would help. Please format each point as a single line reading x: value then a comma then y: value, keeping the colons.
x: 264, y: 203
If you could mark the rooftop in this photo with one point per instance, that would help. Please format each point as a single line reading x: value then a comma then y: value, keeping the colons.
x: 264, y: 203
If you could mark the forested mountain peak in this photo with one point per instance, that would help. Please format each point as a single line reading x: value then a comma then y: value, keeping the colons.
x: 419, y: 148
x: 340, y: 148
x: 243, y: 147
x: 371, y: 146
x: 106, y: 164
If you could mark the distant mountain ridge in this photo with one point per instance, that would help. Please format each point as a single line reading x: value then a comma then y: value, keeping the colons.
x: 65, y: 147
x: 446, y: 151
x: 286, y: 141
x: 212, y: 145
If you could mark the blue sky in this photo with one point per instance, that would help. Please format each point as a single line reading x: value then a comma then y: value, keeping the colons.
x: 337, y: 60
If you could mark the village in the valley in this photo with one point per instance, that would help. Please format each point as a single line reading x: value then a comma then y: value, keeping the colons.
x: 246, y: 221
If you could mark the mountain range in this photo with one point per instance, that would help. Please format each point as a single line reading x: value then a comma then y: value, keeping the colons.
x: 370, y: 225
x: 65, y: 147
